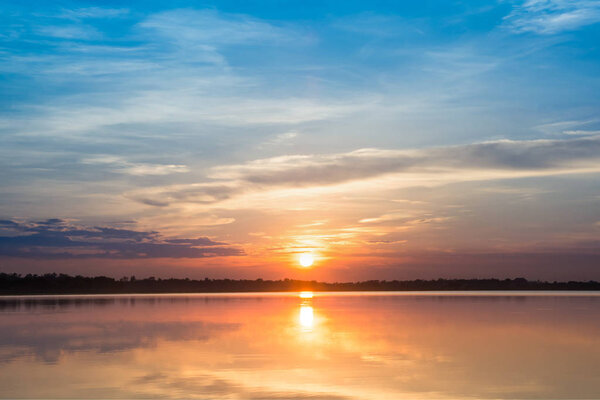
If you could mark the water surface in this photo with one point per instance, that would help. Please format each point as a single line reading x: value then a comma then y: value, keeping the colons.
x: 296, y: 346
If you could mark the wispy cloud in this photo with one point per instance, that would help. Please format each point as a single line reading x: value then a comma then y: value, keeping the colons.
x: 75, y: 32
x: 488, y: 160
x: 582, y: 132
x: 209, y: 27
x: 282, y: 138
x: 201, y: 193
x: 548, y: 17
x: 379, y: 26
x: 93, y: 12
x: 509, y: 155
x: 118, y: 164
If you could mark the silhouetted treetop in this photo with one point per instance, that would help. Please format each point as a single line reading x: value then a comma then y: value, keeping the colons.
x: 14, y: 284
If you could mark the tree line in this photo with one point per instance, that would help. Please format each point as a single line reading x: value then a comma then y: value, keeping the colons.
x: 14, y: 284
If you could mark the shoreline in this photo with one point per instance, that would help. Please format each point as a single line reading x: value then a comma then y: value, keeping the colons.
x: 314, y: 293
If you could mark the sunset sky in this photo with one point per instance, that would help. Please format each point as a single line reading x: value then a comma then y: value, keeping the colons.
x: 387, y: 140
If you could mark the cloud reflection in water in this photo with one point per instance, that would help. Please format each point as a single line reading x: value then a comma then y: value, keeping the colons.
x: 289, y: 346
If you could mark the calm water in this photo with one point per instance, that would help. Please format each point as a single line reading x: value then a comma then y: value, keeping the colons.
x: 280, y: 346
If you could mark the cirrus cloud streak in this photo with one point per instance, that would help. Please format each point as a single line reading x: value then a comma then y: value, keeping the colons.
x: 479, y: 161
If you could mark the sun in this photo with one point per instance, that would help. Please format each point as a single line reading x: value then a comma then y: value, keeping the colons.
x: 306, y: 260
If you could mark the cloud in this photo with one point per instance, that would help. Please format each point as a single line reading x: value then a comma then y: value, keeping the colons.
x: 481, y: 161
x: 533, y: 155
x: 195, y: 193
x: 403, y: 219
x: 93, y: 12
x: 49, y: 340
x: 209, y: 27
x: 570, y: 127
x: 282, y: 138
x: 201, y: 36
x: 581, y: 132
x: 58, y: 239
x: 380, y: 26
x: 547, y: 17
x: 122, y: 166
x: 76, y: 32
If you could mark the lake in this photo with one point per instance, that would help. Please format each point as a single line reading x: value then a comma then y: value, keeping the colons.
x: 302, y: 346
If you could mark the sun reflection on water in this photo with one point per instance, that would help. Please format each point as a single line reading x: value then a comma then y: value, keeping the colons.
x: 307, y: 317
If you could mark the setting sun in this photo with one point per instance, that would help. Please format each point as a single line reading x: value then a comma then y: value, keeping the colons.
x: 306, y: 260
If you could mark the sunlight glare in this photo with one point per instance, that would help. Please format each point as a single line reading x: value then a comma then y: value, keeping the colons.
x: 306, y: 260
x: 306, y: 317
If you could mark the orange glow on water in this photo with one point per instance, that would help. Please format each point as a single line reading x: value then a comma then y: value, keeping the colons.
x: 436, y: 344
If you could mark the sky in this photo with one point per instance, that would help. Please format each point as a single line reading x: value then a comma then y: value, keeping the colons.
x: 388, y: 140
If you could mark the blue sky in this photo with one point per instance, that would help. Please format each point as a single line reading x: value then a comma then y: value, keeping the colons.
x: 243, y: 121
